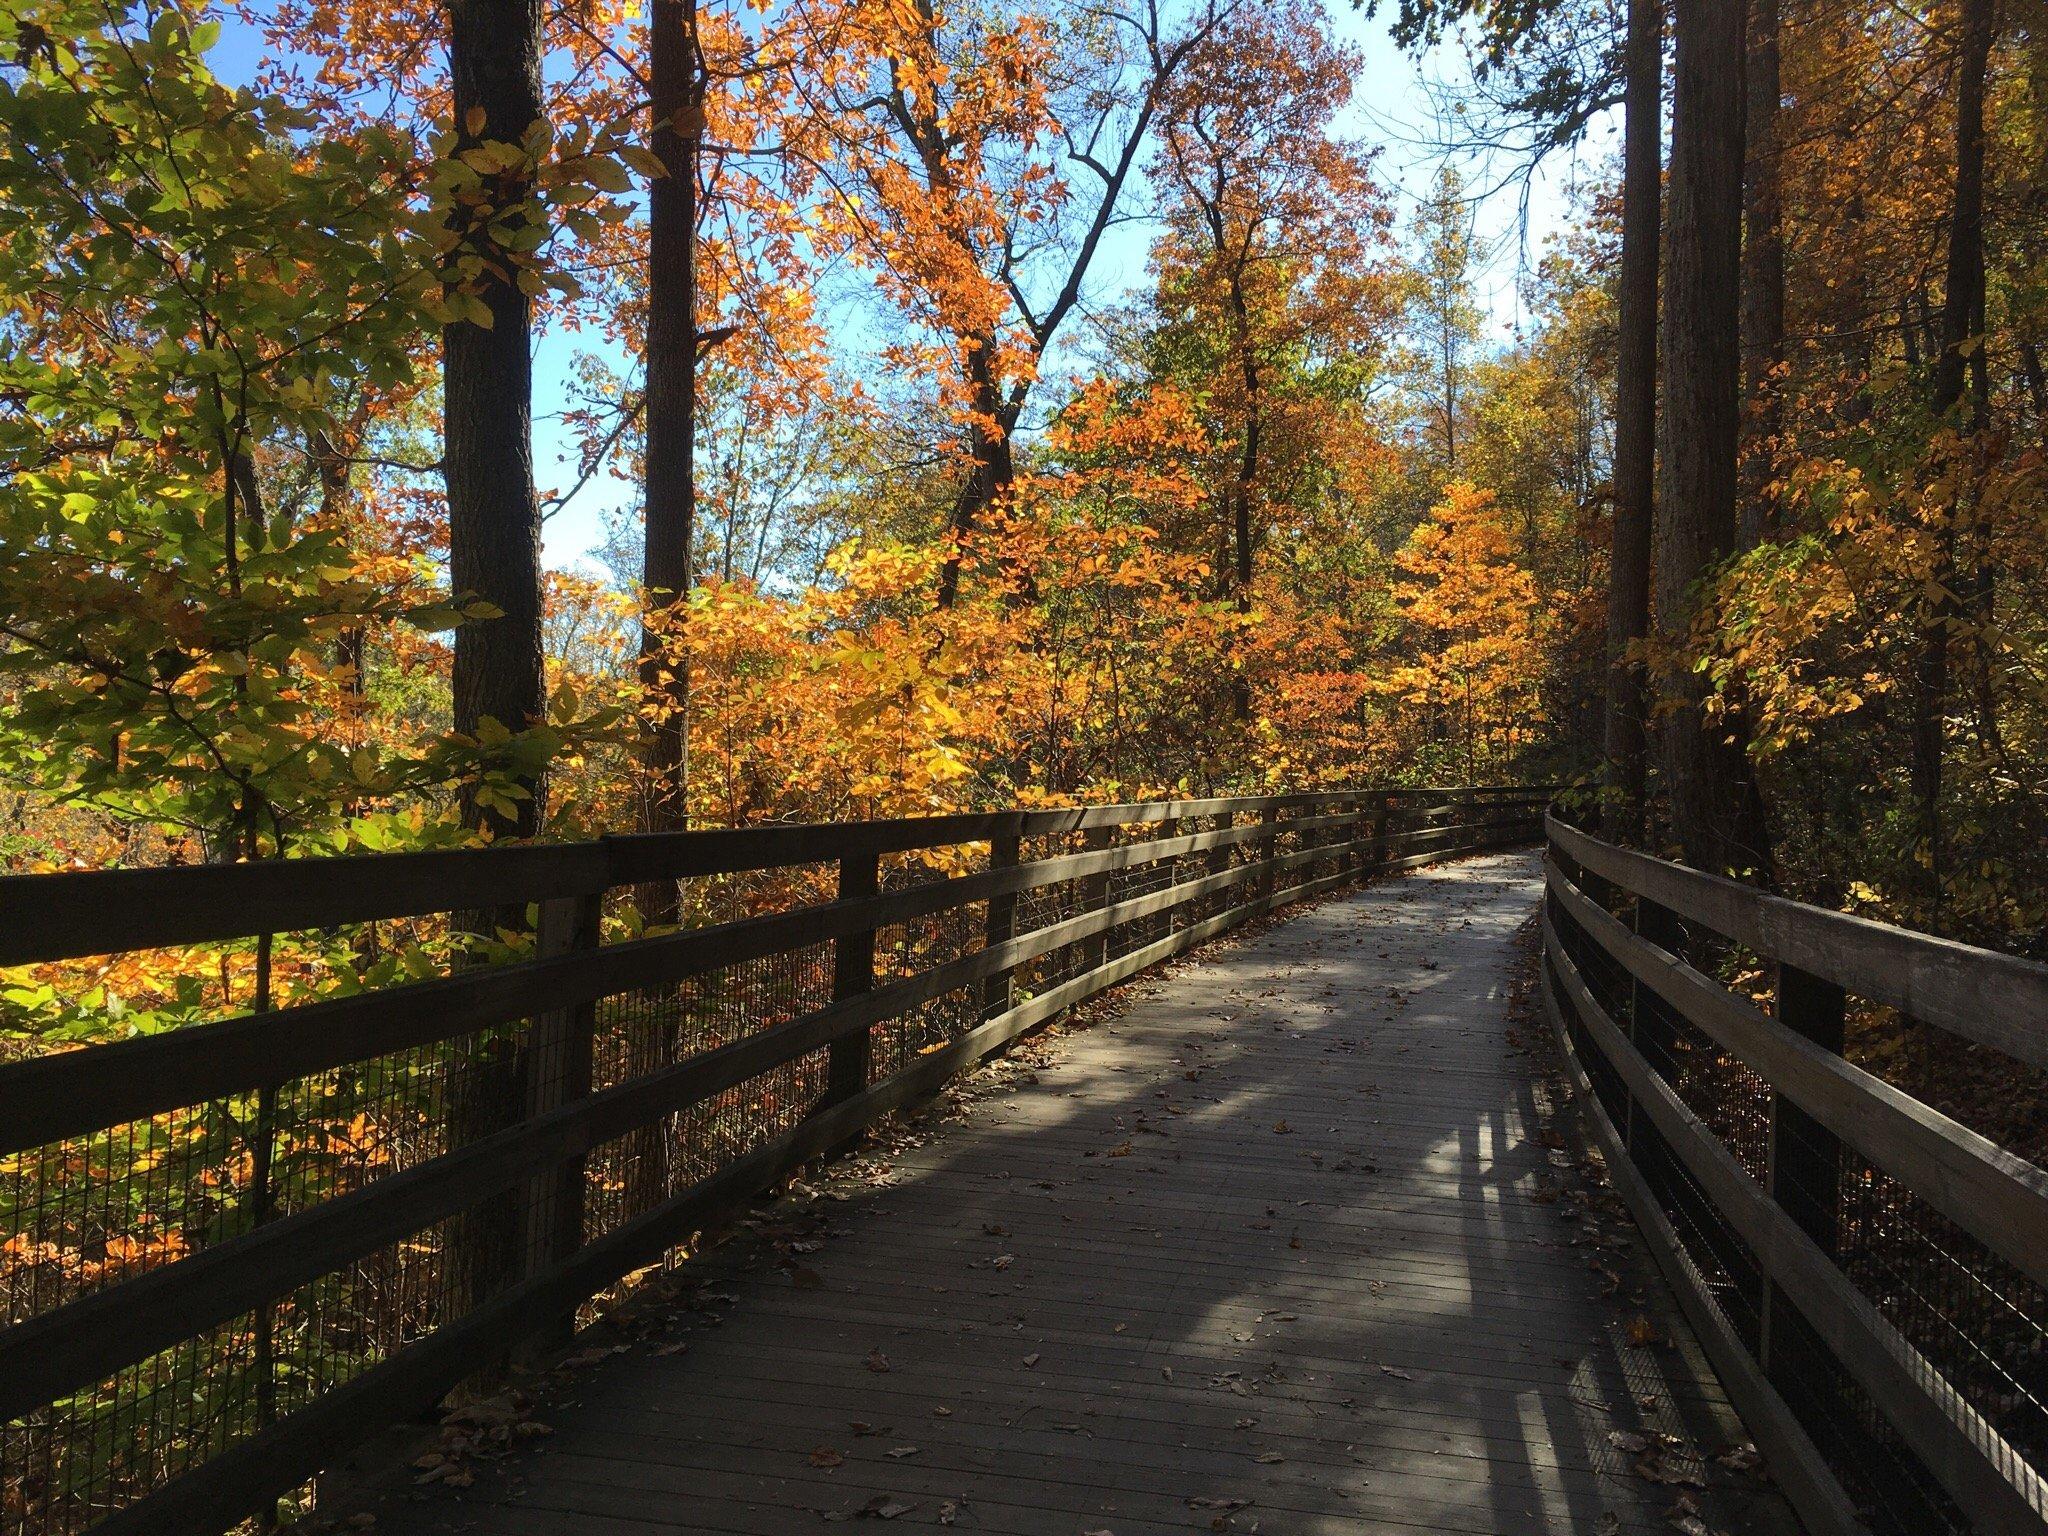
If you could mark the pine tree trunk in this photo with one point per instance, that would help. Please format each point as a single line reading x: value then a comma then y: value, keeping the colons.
x: 1763, y: 280
x: 1713, y: 808
x: 1635, y: 419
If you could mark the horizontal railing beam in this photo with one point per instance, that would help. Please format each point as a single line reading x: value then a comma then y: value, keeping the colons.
x: 1998, y: 1198
x: 1994, y: 999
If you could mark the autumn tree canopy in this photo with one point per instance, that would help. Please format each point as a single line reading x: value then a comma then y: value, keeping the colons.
x: 1030, y: 401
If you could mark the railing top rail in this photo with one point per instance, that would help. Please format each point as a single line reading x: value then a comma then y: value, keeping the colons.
x: 1996, y: 999
x: 48, y: 917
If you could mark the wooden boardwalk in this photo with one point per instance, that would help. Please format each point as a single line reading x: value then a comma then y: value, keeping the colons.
x: 1283, y: 1247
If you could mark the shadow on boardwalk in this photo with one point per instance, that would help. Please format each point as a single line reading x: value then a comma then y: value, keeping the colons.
x: 1278, y: 1248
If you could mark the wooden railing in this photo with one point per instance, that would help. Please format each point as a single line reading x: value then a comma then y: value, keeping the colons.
x: 231, y: 1250
x: 1869, y: 1276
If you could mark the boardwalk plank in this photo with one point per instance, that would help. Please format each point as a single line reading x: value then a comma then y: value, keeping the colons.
x: 1290, y: 1203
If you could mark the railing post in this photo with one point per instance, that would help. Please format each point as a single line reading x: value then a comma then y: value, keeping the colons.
x: 559, y: 1066
x: 1169, y: 869
x: 1805, y: 1164
x: 1268, y: 844
x: 1094, y: 950
x: 999, y: 991
x: 1382, y: 824
x: 1458, y: 809
x: 853, y: 973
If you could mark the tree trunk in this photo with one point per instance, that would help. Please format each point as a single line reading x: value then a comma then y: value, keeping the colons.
x: 1247, y: 478
x: 993, y: 469
x: 1635, y: 420
x: 1763, y: 280
x: 493, y: 517
x: 1961, y: 311
x: 494, y: 554
x: 1713, y: 807
x: 677, y: 88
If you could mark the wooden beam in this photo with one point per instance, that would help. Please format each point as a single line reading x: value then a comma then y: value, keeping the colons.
x: 1997, y: 1000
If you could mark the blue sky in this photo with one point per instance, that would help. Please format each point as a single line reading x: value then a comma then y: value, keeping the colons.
x: 1391, y: 109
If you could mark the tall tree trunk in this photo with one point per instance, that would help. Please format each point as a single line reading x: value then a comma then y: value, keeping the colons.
x: 1635, y: 420
x: 1714, y: 811
x: 677, y: 90
x: 494, y: 554
x: 1961, y: 311
x: 1763, y: 280
x: 493, y: 516
x: 1241, y: 521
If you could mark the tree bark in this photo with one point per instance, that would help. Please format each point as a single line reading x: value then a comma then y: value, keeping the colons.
x: 992, y: 469
x: 677, y: 91
x: 493, y: 516
x: 1961, y: 319
x: 1635, y: 420
x: 1763, y: 279
x: 1713, y: 806
x: 1247, y: 480
x: 494, y: 554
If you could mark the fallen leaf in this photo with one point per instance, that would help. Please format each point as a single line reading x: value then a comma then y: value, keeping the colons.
x: 877, y: 1361
x: 883, y: 1506
x: 1740, y: 1458
x: 825, y: 1456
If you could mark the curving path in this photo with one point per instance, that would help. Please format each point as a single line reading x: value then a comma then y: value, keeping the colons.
x: 1286, y: 1247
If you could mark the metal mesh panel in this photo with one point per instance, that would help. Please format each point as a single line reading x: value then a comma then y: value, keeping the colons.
x: 1895, y: 1494
x: 82, y: 1459
x: 78, y: 1215
x: 638, y: 1033
x: 1725, y: 1264
x: 1045, y: 906
x: 1982, y: 1323
x: 903, y: 950
x: 1141, y: 880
